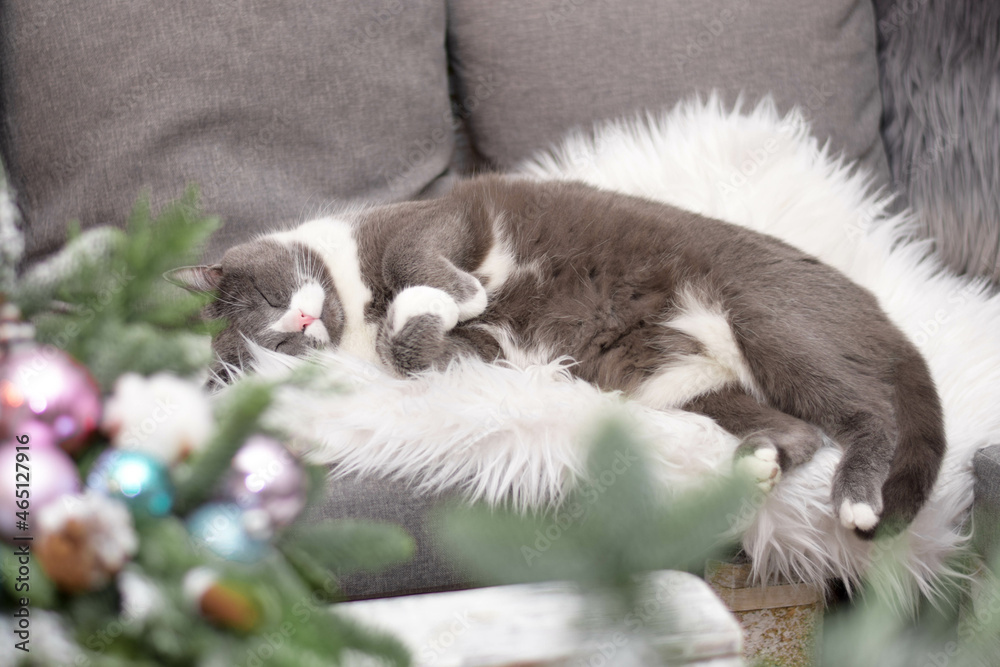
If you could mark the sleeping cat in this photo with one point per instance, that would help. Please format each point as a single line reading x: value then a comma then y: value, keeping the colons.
x: 672, y: 308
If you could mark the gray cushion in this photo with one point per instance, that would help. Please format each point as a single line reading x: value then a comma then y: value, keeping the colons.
x: 986, y: 514
x: 381, y: 500
x: 273, y: 109
x: 531, y: 71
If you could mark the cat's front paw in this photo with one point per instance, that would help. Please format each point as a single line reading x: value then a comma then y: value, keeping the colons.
x: 416, y: 347
x: 757, y: 460
x: 415, y: 302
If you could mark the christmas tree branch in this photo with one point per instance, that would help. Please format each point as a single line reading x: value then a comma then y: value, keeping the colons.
x: 237, y: 418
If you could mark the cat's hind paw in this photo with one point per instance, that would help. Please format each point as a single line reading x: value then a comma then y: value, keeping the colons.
x: 858, y: 516
x: 759, y: 465
x: 857, y: 499
x: 420, y: 300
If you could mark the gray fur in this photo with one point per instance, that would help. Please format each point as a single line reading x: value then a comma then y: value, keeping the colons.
x: 602, y: 271
x: 760, y: 426
x: 940, y: 74
x: 423, y: 344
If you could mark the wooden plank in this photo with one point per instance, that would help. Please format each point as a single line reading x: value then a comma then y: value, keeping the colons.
x: 735, y: 574
x: 678, y: 620
x: 768, y: 597
x: 731, y: 581
x: 728, y: 574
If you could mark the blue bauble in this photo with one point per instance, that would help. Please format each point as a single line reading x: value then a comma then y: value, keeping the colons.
x: 222, y: 528
x: 139, y: 479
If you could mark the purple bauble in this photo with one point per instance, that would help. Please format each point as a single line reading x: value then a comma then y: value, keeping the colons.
x: 267, y: 482
x: 44, y: 384
x: 50, y: 474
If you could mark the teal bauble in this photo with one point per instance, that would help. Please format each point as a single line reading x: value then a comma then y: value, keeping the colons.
x: 226, y: 530
x: 139, y: 479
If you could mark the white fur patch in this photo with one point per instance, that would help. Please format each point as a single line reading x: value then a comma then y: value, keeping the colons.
x: 519, y: 355
x: 333, y: 240
x: 857, y: 515
x: 683, y: 380
x: 423, y: 300
x: 504, y: 433
x: 318, y: 331
x: 498, y: 266
x: 307, y: 299
x: 720, y: 364
x: 475, y: 306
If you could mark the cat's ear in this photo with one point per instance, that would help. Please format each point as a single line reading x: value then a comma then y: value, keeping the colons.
x: 196, y: 278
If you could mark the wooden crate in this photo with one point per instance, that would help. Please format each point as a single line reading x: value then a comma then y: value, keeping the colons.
x: 782, y: 623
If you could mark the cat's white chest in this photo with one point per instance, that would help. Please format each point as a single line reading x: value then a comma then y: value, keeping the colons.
x: 332, y: 239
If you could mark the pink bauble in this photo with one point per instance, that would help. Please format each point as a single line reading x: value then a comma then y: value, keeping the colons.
x: 44, y: 384
x: 38, y: 434
x: 49, y: 472
x: 266, y: 479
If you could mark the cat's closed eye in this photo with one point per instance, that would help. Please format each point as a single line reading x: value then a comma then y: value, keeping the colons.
x: 270, y: 302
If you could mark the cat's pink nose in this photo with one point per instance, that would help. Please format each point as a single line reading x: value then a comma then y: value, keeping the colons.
x: 305, y: 320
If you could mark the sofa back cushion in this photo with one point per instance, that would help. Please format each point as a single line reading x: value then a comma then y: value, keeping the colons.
x: 528, y: 72
x: 273, y: 109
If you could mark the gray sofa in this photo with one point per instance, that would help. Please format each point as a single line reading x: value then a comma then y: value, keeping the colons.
x: 986, y: 513
x: 276, y: 110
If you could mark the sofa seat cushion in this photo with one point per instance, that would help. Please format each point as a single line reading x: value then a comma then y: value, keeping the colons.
x: 373, y: 499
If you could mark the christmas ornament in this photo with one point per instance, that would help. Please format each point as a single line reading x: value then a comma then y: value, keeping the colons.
x: 43, y: 383
x: 136, y: 478
x: 140, y: 597
x: 162, y: 415
x: 49, y: 473
x: 220, y: 602
x: 37, y: 434
x: 268, y: 483
x: 85, y: 540
x: 222, y: 529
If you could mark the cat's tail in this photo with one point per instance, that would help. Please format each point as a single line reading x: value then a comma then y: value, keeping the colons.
x: 921, y: 446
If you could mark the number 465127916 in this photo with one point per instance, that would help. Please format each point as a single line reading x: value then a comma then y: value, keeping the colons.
x: 22, y: 479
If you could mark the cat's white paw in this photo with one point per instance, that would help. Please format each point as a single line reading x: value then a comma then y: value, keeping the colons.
x: 423, y: 300
x: 761, y: 467
x: 857, y: 515
x: 475, y: 306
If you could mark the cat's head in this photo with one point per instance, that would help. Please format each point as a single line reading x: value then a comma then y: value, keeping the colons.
x: 280, y: 296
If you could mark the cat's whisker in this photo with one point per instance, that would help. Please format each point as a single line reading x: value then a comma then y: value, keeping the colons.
x: 236, y: 304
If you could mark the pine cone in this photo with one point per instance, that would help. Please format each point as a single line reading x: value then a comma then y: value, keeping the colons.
x: 85, y: 541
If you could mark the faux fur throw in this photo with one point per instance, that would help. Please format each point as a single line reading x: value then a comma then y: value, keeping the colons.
x: 513, y: 431
x: 940, y: 77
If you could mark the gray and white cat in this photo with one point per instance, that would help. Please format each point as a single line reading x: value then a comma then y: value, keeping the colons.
x: 672, y: 308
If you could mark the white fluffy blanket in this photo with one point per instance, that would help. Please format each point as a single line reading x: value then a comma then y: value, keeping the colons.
x: 514, y: 431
